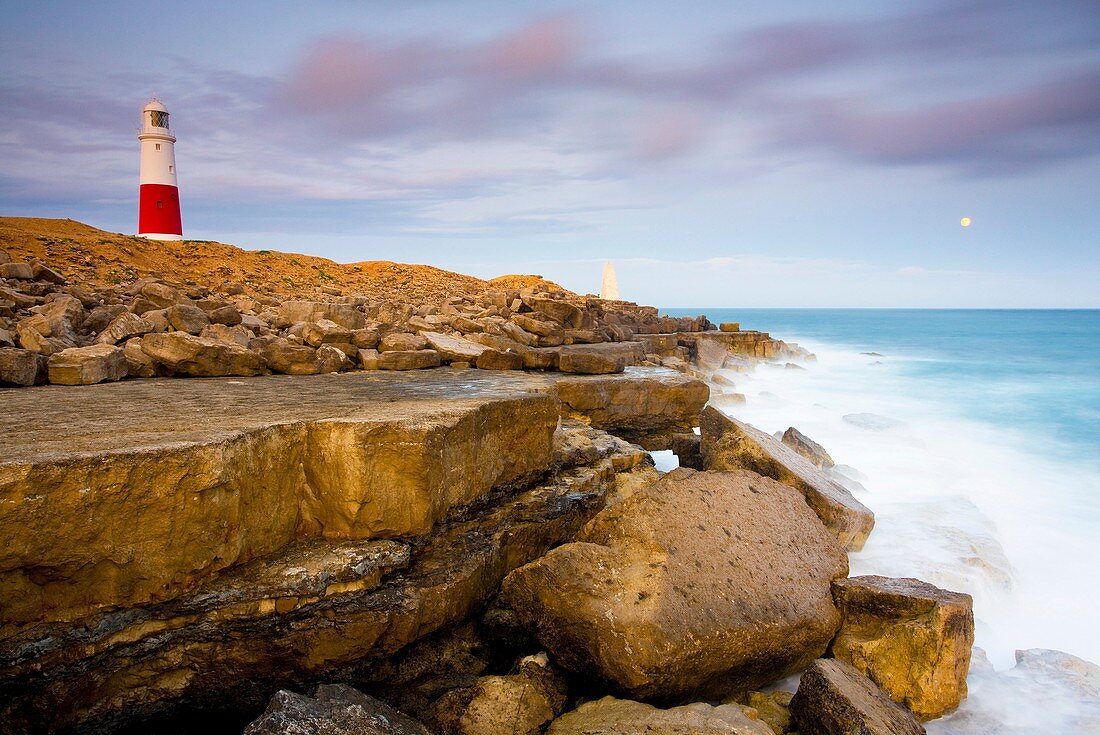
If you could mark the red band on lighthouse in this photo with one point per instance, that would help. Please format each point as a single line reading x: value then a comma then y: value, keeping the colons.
x: 159, y: 199
x: 159, y: 210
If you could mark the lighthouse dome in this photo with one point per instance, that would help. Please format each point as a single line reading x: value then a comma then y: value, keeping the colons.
x: 155, y: 105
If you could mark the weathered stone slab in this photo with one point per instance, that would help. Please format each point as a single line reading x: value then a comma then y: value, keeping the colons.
x: 610, y: 716
x: 87, y: 365
x: 187, y: 354
x: 835, y: 699
x: 911, y: 638
x: 728, y: 444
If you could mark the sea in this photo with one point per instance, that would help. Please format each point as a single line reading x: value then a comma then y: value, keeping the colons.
x: 974, y: 436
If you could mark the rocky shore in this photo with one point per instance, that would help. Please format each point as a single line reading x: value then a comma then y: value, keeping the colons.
x: 405, y: 515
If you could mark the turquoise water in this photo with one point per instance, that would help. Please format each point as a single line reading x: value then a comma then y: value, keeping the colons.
x: 1024, y: 370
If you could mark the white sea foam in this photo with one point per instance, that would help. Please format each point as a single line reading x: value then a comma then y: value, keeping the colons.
x: 989, y: 510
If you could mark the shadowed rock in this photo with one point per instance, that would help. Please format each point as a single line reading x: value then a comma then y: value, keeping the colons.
x: 835, y: 699
x: 333, y: 709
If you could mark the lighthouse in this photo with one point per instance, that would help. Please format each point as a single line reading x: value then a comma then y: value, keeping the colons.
x: 159, y: 197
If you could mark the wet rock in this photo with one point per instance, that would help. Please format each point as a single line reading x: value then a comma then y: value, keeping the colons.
x: 647, y: 410
x: 522, y: 703
x: 807, y: 447
x: 408, y: 360
x: 187, y: 318
x: 909, y: 637
x: 22, y: 367
x: 610, y: 716
x: 333, y: 709
x: 835, y: 699
x: 491, y: 359
x: 87, y: 365
x: 728, y: 443
x: 123, y: 327
x: 185, y: 354
x: 696, y: 585
x: 686, y: 448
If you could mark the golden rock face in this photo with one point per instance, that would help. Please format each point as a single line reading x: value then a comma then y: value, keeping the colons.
x: 912, y: 639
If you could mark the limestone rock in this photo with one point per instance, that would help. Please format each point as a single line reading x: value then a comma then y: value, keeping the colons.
x: 728, y: 444
x: 696, y: 585
x: 17, y: 271
x: 237, y: 335
x: 346, y: 315
x: 227, y: 315
x: 610, y: 716
x: 282, y: 356
x: 333, y: 709
x: 909, y: 637
x: 364, y: 339
x: 325, y: 331
x: 87, y: 365
x: 161, y: 295
x: 729, y: 327
x: 21, y: 367
x: 590, y: 363
x: 807, y: 447
x: 330, y: 360
x: 138, y: 364
x: 646, y: 410
x: 537, y: 327
x: 402, y: 342
x: 408, y: 360
x: 491, y: 359
x: 773, y: 708
x: 835, y: 699
x: 123, y: 327
x: 185, y: 354
x: 53, y: 326
x: 187, y: 318
x: 522, y: 703
x: 368, y: 359
x: 452, y: 348
x: 100, y: 317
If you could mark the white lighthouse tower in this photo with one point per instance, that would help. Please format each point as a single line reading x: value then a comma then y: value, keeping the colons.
x: 159, y: 197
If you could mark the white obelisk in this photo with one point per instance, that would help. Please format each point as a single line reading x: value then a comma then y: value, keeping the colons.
x: 609, y: 287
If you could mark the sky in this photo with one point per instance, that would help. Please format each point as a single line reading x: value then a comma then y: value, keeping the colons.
x: 756, y: 154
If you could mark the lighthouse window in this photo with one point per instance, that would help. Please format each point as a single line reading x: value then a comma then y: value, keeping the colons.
x: 160, y: 119
x: 158, y: 146
x: 171, y: 168
x: 160, y: 204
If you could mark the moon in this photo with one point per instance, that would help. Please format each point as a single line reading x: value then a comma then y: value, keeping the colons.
x: 965, y: 222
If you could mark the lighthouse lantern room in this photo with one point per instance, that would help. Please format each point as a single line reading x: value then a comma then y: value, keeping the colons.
x: 159, y: 199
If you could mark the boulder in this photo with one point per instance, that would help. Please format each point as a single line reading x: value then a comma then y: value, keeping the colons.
x: 808, y: 448
x: 835, y: 699
x: 237, y: 335
x: 285, y: 357
x: 17, y: 271
x: 21, y: 367
x: 53, y: 326
x: 727, y: 443
x: 87, y: 365
x: 325, y: 331
x: 522, y: 703
x: 773, y: 708
x: 610, y: 716
x: 161, y: 296
x: 647, y: 410
x: 187, y: 318
x: 138, y: 364
x: 402, y: 342
x: 227, y: 315
x: 537, y: 327
x: 332, y: 709
x: 185, y: 354
x: 699, y: 584
x: 559, y: 310
x: 729, y: 327
x: 364, y: 339
x: 123, y: 327
x: 331, y: 360
x: 909, y: 637
x: 346, y: 315
x: 491, y: 359
x: 408, y: 360
x: 100, y: 317
x: 452, y: 348
x: 368, y: 359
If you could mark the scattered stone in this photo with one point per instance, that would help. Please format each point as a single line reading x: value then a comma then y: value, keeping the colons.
x: 185, y: 354
x: 408, y: 359
x: 42, y: 272
x: 364, y: 338
x: 610, y: 716
x: 325, y: 331
x: 123, y: 327
x: 100, y: 317
x: 346, y: 315
x: 138, y: 364
x: 237, y: 335
x: 87, y: 365
x: 590, y: 363
x: 807, y: 447
x: 696, y: 585
x: 161, y: 296
x: 491, y: 359
x: 284, y: 357
x: 909, y: 637
x: 22, y: 367
x: 835, y: 699
x: 402, y: 342
x: 187, y: 318
x: 522, y: 703
x: 6, y: 340
x: 728, y: 444
x: 368, y: 359
x: 729, y: 327
x: 333, y: 709
x: 330, y: 359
